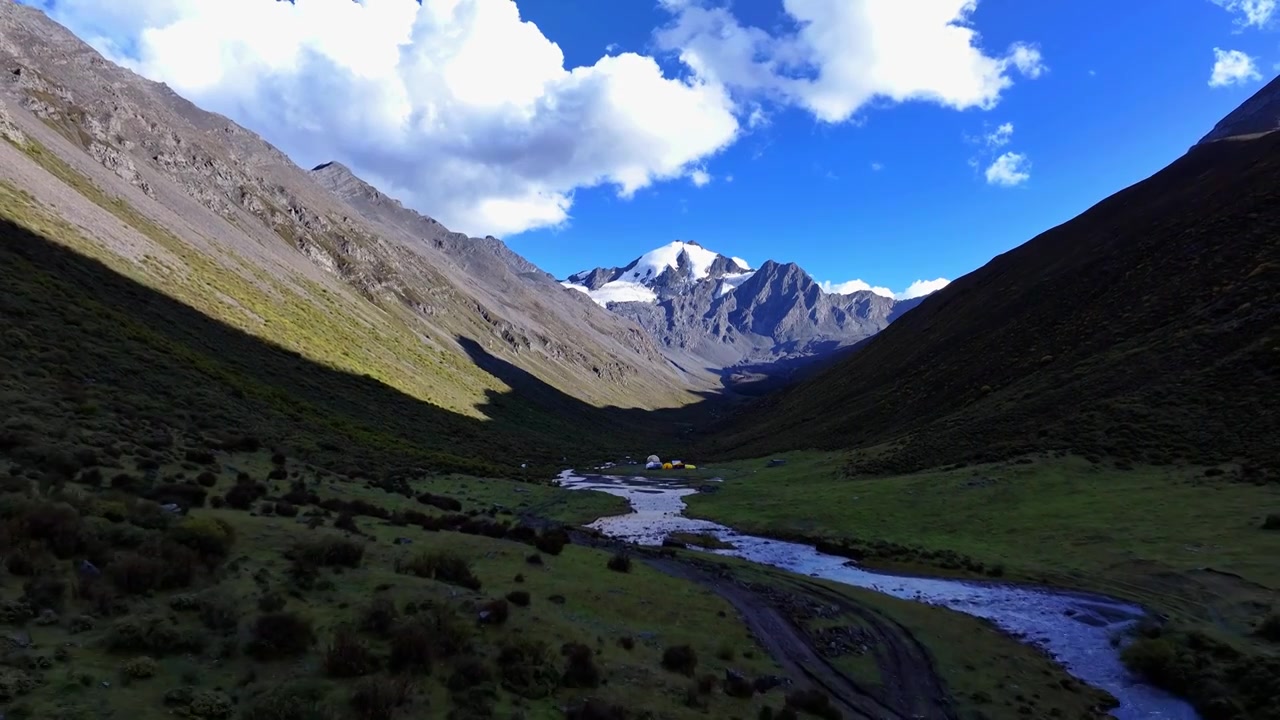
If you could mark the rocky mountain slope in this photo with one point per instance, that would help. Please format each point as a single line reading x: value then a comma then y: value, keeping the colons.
x: 1144, y: 330
x: 709, y: 310
x: 190, y: 204
x: 1259, y: 114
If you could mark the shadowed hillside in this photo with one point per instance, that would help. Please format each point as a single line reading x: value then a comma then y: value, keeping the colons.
x: 88, y: 355
x: 1143, y: 330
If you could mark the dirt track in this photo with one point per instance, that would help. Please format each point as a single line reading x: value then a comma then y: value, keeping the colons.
x: 910, y: 688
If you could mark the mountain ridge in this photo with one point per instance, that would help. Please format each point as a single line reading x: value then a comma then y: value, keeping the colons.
x: 1160, y: 362
x: 705, y: 307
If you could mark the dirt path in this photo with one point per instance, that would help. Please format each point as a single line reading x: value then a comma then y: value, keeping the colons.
x: 910, y: 688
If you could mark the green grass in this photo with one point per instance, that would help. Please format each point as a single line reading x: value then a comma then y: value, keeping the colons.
x: 1187, y: 542
x: 598, y: 607
x: 987, y: 673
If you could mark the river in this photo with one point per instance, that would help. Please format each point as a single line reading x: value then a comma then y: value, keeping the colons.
x: 1075, y: 628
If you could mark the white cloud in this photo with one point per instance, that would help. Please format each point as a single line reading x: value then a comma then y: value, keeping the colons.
x: 467, y: 112
x: 844, y: 53
x: 416, y: 99
x: 914, y: 290
x: 877, y: 167
x: 700, y: 177
x: 920, y: 288
x: 1000, y: 136
x: 1256, y: 13
x: 1009, y: 169
x: 1232, y: 67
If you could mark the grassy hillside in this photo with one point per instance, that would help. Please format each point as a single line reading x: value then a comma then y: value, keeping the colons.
x: 1144, y: 330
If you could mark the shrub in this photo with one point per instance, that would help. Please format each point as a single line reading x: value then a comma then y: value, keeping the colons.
x: 271, y: 602
x: 139, y: 668
x: 412, y: 647
x: 527, y: 669
x: 680, y: 659
x: 278, y: 473
x: 813, y: 702
x: 284, y: 509
x: 442, y: 566
x: 1272, y: 522
x: 347, y: 656
x: 1269, y: 628
x: 329, y: 551
x: 596, y: 709
x: 180, y: 494
x: 552, y: 542
x: 378, y: 698
x: 346, y: 521
x: 279, y: 635
x: 292, y: 700
x: 620, y: 563
x: 153, y: 635
x: 379, y: 616
x: 534, y: 559
x: 200, y: 457
x: 207, y: 479
x: 580, y: 669
x: 242, y: 495
x: 211, y: 537
x: 468, y: 672
x: 447, y: 504
x: 495, y: 612
x: 220, y: 613
x: 45, y: 592
x: 627, y: 642
x: 518, y: 597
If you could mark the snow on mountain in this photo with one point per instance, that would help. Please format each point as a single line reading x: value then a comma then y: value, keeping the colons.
x: 729, y: 283
x: 616, y: 291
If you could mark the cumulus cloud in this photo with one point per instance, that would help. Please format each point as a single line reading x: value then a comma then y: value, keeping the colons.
x: 877, y: 167
x: 1009, y: 169
x: 845, y: 53
x: 916, y: 289
x: 1256, y: 13
x: 1232, y: 67
x: 468, y: 112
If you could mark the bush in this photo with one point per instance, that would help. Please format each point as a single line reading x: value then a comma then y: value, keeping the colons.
x: 519, y: 598
x: 156, y: 636
x: 580, y: 669
x: 271, y: 602
x: 280, y: 635
x: 220, y: 613
x: 434, y: 632
x: 149, y: 570
x: 211, y: 537
x: 552, y: 542
x: 329, y: 551
x: 813, y: 702
x: 45, y: 592
x: 207, y: 479
x: 278, y: 473
x: 139, y: 668
x: 534, y: 559
x: 1269, y: 628
x: 1272, y: 522
x: 596, y: 709
x: 468, y: 672
x: 285, y: 509
x: 680, y: 659
x: 347, y: 656
x: 495, y: 612
x: 243, y: 495
x: 442, y: 566
x: 627, y: 642
x: 527, y: 669
x: 292, y: 700
x: 620, y: 563
x: 447, y: 504
x: 379, y: 617
x: 378, y: 698
x: 180, y: 494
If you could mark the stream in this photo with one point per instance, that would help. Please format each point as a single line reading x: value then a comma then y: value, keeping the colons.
x: 1075, y: 628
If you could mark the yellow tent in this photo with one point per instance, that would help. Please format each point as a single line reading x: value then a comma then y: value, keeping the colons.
x: 690, y: 467
x: 666, y: 466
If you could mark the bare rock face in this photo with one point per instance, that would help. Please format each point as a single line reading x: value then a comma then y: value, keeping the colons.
x: 1258, y: 114
x: 707, y: 308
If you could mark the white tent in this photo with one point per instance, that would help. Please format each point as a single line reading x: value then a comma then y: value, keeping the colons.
x: 654, y: 459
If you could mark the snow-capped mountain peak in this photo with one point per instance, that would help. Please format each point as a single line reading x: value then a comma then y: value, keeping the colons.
x: 660, y: 273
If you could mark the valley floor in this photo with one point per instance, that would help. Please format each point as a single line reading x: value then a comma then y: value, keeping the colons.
x: 1195, y: 545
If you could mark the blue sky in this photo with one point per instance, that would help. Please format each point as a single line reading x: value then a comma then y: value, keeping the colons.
x: 580, y: 162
